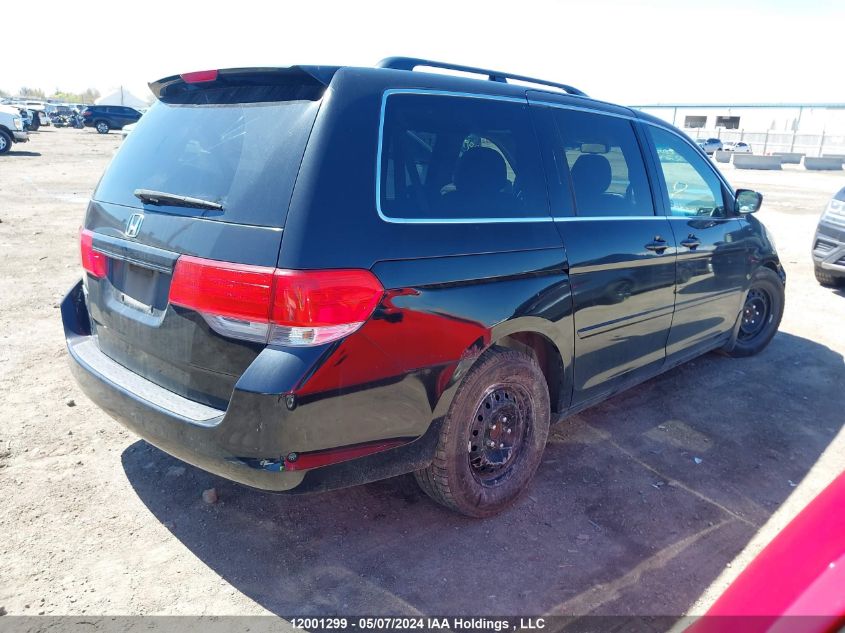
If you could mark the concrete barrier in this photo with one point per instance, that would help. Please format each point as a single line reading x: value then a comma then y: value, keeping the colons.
x: 750, y: 161
x: 823, y: 163
x: 789, y: 158
x: 842, y: 156
x: 722, y: 157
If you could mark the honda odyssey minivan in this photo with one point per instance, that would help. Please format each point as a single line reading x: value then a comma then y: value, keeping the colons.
x: 311, y: 277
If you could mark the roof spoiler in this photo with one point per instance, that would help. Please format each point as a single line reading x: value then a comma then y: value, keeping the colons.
x: 178, y: 88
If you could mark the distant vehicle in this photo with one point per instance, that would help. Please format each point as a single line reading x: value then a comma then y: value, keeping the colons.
x: 110, y: 117
x: 737, y: 147
x: 798, y: 577
x: 710, y: 145
x: 127, y: 129
x: 829, y: 243
x: 11, y: 128
x: 39, y: 113
x: 27, y: 116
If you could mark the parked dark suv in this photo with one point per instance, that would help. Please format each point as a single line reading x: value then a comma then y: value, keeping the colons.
x: 829, y: 243
x: 105, y: 118
x: 311, y: 277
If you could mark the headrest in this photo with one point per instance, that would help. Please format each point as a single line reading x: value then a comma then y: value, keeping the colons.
x: 480, y: 169
x: 591, y: 173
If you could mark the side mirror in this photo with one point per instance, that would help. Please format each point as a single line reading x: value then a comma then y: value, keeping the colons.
x: 748, y: 201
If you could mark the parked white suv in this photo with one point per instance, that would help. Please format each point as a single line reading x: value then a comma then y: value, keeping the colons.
x: 11, y: 128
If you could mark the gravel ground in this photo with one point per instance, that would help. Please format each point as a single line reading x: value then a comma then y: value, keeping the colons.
x: 622, y: 518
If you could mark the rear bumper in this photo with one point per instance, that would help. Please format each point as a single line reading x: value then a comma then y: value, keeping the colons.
x: 246, y: 443
x: 829, y: 249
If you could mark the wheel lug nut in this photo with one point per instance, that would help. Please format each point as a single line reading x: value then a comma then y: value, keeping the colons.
x: 504, y: 419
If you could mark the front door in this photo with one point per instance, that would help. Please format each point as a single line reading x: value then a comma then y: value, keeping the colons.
x: 711, y: 269
x: 621, y: 253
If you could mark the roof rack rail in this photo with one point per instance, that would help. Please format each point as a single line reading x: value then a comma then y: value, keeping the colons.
x: 410, y: 63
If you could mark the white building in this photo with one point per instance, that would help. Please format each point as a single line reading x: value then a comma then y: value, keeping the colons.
x: 813, y: 129
x: 801, y: 118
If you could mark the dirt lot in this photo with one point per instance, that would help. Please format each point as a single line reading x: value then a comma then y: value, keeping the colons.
x: 620, y: 520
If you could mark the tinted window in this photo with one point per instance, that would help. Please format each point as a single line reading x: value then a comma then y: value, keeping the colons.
x: 458, y: 157
x: 692, y: 187
x: 605, y: 164
x: 243, y: 156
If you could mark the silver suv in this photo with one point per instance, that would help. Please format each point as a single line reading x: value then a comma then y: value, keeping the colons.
x: 829, y: 243
x: 710, y: 145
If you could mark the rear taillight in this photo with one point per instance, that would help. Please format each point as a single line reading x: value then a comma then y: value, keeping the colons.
x: 95, y: 263
x: 269, y: 305
x: 86, y: 113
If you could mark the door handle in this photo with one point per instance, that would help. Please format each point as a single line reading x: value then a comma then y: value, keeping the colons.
x: 658, y: 245
x: 692, y: 242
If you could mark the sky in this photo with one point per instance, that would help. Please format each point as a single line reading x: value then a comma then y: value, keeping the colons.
x: 636, y: 52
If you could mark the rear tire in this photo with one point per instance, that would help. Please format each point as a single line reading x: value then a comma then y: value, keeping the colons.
x: 761, y: 314
x: 102, y: 127
x: 827, y: 279
x: 493, y: 436
x: 5, y: 142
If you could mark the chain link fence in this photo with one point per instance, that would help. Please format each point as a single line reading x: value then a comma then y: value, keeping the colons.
x: 771, y: 142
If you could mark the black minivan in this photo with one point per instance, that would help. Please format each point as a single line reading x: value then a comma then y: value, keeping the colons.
x: 312, y: 277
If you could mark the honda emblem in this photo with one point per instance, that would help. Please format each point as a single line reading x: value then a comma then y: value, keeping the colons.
x: 133, y: 225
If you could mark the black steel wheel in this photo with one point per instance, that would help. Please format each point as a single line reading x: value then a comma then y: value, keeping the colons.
x: 761, y: 313
x: 499, y: 430
x: 493, y: 436
x: 755, y: 313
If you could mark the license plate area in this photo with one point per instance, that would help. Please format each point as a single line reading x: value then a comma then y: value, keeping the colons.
x: 138, y: 287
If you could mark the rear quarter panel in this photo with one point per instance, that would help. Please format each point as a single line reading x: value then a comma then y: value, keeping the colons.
x: 452, y: 290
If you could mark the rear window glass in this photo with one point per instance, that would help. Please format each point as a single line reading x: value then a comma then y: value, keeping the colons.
x: 605, y: 164
x: 243, y: 156
x: 459, y: 158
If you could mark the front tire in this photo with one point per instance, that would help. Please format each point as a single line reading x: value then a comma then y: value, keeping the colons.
x: 5, y: 142
x: 102, y: 127
x: 827, y: 279
x: 761, y: 314
x: 493, y: 436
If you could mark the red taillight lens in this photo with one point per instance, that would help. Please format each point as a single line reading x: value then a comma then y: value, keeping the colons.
x: 86, y: 113
x: 200, y: 76
x: 229, y: 290
x: 324, y: 297
x: 95, y: 263
x: 284, y: 307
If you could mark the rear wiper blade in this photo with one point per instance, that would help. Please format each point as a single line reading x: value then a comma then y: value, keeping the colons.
x: 162, y: 197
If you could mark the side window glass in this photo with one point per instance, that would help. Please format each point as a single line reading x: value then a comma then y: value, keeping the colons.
x: 692, y: 186
x: 457, y: 158
x: 605, y: 165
